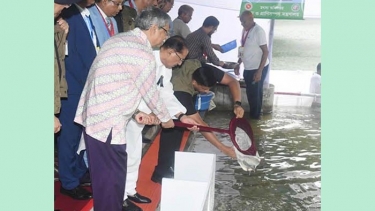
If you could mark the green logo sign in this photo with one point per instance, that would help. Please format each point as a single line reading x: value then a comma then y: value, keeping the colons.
x: 274, y: 9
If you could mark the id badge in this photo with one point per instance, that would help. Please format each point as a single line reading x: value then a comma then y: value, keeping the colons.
x: 66, y: 48
x: 240, y: 51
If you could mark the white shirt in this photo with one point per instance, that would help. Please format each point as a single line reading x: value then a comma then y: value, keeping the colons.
x: 101, y: 12
x: 173, y: 105
x: 252, y: 55
x: 315, y: 85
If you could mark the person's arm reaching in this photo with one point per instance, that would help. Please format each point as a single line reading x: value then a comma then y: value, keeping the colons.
x: 235, y: 90
x: 207, y: 46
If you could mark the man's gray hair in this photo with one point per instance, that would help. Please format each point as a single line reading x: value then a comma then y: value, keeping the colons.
x: 152, y: 16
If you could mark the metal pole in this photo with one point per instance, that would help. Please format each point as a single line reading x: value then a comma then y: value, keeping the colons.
x: 298, y: 94
x: 270, y: 45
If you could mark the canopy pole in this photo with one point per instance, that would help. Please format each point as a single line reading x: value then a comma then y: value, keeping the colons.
x: 270, y: 45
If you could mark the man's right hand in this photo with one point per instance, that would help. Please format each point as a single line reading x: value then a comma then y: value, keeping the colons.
x: 189, y: 120
x: 142, y: 118
x: 64, y: 25
x: 168, y: 124
x: 217, y: 47
x: 58, y: 125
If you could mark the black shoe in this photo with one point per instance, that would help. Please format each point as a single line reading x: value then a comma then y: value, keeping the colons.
x: 157, y: 177
x: 78, y: 193
x: 138, y: 198
x: 127, y: 205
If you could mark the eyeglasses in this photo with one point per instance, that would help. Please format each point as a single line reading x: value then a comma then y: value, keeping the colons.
x: 181, y: 59
x: 166, y: 31
x: 117, y: 4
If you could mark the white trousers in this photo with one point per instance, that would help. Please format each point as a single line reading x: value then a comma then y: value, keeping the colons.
x: 134, y: 150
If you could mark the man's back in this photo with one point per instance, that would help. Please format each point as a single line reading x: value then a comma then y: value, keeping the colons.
x: 126, y: 19
x: 315, y: 83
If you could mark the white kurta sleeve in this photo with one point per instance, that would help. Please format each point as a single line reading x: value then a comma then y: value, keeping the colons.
x: 173, y: 105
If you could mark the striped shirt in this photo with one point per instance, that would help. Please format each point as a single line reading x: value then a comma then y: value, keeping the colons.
x: 199, y: 43
x: 121, y: 75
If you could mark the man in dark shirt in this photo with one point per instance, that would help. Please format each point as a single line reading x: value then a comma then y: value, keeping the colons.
x: 199, y: 43
x: 187, y: 79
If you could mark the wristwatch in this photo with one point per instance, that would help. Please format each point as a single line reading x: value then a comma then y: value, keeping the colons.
x: 237, y: 103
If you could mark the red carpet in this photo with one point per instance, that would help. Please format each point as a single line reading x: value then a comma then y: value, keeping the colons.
x: 65, y: 203
x: 144, y: 186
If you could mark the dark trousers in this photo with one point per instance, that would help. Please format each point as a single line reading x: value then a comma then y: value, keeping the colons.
x: 170, y: 141
x: 107, y: 163
x: 71, y: 165
x: 254, y: 91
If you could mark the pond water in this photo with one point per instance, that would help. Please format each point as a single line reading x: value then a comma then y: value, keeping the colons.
x: 288, y: 177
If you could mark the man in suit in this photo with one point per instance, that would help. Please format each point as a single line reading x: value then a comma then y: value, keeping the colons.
x: 82, y: 42
x: 102, y: 14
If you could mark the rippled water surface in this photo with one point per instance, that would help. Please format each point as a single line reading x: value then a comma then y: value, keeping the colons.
x: 288, y: 177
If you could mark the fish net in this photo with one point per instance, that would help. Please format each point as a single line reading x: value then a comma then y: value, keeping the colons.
x: 244, y: 144
x: 242, y: 138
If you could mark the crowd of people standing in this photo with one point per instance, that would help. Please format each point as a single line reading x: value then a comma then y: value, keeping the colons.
x: 121, y: 65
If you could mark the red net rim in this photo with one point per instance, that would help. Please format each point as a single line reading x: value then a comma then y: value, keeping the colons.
x: 244, y: 125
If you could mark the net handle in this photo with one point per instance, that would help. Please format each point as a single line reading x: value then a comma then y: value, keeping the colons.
x: 201, y: 127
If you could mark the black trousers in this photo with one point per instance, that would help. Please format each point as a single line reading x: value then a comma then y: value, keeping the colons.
x: 170, y: 142
x: 170, y: 139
